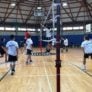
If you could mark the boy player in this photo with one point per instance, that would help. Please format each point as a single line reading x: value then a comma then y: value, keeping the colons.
x: 12, y: 53
x: 87, y: 49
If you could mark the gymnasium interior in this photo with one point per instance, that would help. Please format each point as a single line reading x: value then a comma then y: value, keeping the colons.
x: 58, y: 71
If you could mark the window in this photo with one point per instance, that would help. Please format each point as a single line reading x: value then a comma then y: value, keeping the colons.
x: 22, y: 29
x: 76, y: 28
x: 1, y: 28
x: 73, y: 28
x: 67, y: 28
x: 81, y: 27
x: 39, y: 29
x: 31, y: 29
x: 10, y: 28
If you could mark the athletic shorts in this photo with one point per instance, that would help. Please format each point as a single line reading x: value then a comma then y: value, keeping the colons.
x: 88, y: 55
x: 12, y: 58
x: 29, y: 52
x: 48, y: 50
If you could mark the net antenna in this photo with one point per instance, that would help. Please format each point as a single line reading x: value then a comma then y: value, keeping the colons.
x: 53, y: 18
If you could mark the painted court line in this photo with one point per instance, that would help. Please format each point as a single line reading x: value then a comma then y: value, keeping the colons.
x: 4, y: 75
x: 47, y: 77
x: 82, y: 70
x: 44, y: 75
x: 40, y: 87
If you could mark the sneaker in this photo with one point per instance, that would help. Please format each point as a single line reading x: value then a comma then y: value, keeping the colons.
x: 84, y: 67
x: 27, y: 62
x: 12, y: 73
x: 13, y: 70
x: 30, y: 60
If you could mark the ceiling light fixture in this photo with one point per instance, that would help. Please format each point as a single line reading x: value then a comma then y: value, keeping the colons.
x: 13, y: 4
x: 65, y: 4
x: 39, y: 8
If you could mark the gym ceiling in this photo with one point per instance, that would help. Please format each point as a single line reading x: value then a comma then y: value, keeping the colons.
x: 22, y: 12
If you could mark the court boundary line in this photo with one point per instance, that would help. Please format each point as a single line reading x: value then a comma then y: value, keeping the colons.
x: 40, y: 87
x: 82, y: 70
x: 47, y: 78
x: 3, y: 63
x: 5, y: 74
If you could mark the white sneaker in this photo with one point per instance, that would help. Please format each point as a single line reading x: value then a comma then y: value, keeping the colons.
x: 84, y: 67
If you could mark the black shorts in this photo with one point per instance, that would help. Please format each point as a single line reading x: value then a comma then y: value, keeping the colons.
x: 29, y: 52
x: 12, y: 58
x: 88, y: 55
x: 48, y: 50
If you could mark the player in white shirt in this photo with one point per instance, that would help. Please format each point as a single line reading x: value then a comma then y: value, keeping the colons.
x: 29, y: 43
x: 12, y: 53
x: 87, y: 49
x: 48, y: 33
x: 66, y: 44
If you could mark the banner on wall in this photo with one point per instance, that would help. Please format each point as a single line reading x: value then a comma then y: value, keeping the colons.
x: 88, y: 28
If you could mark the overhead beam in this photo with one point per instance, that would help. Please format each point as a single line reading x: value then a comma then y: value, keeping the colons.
x: 29, y: 15
x: 70, y: 10
x: 67, y: 13
x: 85, y: 4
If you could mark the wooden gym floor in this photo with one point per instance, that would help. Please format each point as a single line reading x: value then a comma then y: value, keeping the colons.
x: 40, y: 75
